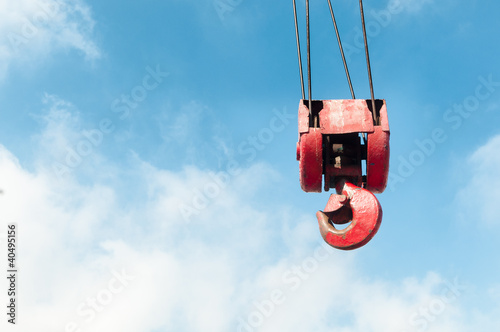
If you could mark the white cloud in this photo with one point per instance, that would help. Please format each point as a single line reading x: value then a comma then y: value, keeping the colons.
x: 33, y: 29
x: 107, y: 259
x: 478, y: 199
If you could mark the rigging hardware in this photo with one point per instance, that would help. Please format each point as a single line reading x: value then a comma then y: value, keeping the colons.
x: 331, y: 153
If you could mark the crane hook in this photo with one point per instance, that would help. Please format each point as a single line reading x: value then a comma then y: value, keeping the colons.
x: 353, y: 204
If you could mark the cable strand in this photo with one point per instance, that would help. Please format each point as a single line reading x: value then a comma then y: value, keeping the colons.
x: 309, y: 57
x: 374, y: 110
x: 341, y: 50
x: 298, y: 50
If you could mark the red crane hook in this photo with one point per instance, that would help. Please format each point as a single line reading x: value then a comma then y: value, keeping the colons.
x: 353, y: 204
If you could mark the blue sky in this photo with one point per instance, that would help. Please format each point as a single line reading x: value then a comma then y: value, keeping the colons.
x: 126, y: 160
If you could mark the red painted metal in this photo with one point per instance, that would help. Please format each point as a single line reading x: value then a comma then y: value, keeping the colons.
x: 310, y: 156
x: 378, y: 152
x: 340, y: 117
x: 332, y: 147
x: 365, y: 220
x: 303, y: 118
x: 345, y: 116
x: 377, y: 160
x: 384, y: 120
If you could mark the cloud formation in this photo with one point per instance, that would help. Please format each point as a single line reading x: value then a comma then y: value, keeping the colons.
x: 94, y: 253
x: 34, y: 29
x: 478, y: 199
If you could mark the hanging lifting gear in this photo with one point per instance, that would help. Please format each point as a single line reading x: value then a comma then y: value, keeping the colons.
x: 335, y: 138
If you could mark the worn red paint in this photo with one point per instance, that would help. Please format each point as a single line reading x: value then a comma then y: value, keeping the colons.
x: 377, y: 161
x: 311, y: 160
x: 365, y: 222
x: 338, y: 118
x: 345, y: 116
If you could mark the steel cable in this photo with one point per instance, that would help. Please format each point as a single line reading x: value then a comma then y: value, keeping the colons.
x: 309, y: 59
x: 341, y: 50
x: 374, y: 110
x: 298, y: 50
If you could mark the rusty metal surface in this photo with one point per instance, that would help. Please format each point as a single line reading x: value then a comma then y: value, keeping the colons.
x: 310, y: 156
x: 365, y: 220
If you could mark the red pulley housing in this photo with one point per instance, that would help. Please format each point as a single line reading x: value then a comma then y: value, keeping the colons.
x: 330, y: 144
